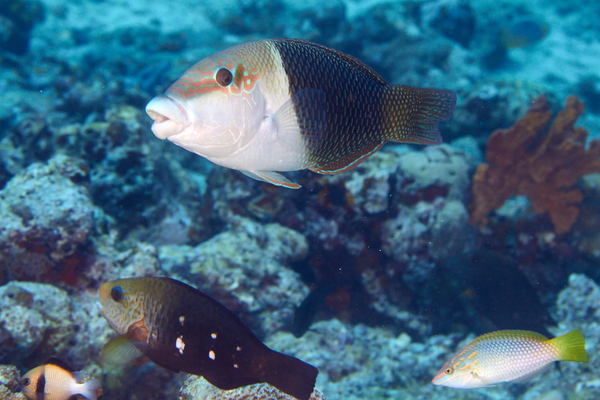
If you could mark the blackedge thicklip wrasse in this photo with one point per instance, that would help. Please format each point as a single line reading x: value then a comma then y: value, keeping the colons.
x: 287, y: 105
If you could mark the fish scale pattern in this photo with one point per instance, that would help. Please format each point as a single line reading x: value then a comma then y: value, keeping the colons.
x: 352, y: 102
x: 506, y: 356
x: 361, y: 111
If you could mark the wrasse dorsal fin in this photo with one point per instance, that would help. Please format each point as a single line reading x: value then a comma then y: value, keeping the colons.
x: 60, y: 364
x: 302, y: 120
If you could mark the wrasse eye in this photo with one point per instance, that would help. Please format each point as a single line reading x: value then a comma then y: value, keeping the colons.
x: 224, y: 77
x: 25, y: 382
x: 116, y: 293
x: 449, y: 370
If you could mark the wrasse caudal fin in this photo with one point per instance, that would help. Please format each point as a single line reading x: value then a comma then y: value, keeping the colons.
x: 291, y: 375
x: 413, y: 114
x: 571, y: 346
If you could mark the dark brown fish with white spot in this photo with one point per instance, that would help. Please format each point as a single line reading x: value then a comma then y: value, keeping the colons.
x: 184, y: 330
x: 287, y: 105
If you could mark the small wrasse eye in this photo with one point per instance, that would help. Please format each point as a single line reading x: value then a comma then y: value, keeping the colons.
x: 224, y: 77
x: 116, y: 293
x: 25, y: 382
x: 449, y: 370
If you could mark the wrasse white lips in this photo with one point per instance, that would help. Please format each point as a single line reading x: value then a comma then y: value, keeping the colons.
x: 169, y: 117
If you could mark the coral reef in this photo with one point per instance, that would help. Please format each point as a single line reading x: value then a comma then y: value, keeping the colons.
x: 244, y: 269
x: 47, y: 218
x: 9, y: 383
x: 197, y: 388
x: 545, y: 169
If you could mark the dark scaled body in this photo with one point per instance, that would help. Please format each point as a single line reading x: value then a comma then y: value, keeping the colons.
x: 354, y: 111
x: 184, y: 330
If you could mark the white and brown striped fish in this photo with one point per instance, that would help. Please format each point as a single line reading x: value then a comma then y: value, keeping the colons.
x: 288, y: 105
x: 55, y: 380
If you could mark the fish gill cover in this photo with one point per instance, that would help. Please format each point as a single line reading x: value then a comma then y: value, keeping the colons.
x: 89, y: 195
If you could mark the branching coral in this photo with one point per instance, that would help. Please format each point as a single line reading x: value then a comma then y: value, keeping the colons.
x: 523, y: 160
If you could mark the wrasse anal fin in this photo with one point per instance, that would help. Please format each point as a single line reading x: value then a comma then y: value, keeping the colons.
x: 272, y: 177
x: 350, y: 161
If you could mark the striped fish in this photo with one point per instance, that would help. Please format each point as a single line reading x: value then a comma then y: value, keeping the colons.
x: 288, y: 105
x: 56, y: 380
x: 508, y: 356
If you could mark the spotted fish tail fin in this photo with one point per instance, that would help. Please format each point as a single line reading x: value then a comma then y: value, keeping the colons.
x: 413, y: 113
x: 291, y: 375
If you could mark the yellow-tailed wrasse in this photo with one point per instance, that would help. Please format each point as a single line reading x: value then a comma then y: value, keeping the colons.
x: 55, y: 380
x: 184, y: 330
x: 508, y: 356
x: 288, y: 105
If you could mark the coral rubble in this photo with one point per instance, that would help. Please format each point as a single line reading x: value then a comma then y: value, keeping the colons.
x: 196, y: 388
x: 523, y: 160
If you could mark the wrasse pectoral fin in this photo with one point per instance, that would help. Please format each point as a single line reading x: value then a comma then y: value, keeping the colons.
x: 120, y: 351
x: 272, y: 177
x: 302, y: 120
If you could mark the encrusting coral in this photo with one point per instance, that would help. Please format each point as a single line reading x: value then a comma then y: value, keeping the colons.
x: 544, y: 167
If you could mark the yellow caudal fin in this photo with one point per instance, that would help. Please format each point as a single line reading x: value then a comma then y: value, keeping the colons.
x: 571, y: 346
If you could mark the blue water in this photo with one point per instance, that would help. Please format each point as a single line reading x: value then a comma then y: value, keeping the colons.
x: 400, y: 270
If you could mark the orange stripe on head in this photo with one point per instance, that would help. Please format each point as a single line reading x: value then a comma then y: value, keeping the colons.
x: 201, y: 77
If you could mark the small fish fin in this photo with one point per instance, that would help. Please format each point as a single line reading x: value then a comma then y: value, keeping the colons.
x: 290, y: 375
x: 571, y: 346
x: 302, y: 121
x: 59, y: 363
x: 350, y: 161
x: 89, y: 389
x: 426, y: 108
x: 120, y: 351
x: 272, y: 177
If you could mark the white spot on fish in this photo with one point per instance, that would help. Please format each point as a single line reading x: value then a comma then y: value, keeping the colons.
x: 181, y: 319
x: 211, y: 355
x: 179, y: 344
x: 213, y: 335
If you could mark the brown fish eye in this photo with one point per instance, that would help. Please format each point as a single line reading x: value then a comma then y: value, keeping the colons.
x: 25, y: 382
x: 449, y: 370
x: 116, y: 293
x: 224, y: 77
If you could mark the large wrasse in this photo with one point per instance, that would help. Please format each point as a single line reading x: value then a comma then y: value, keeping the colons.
x: 508, y: 356
x: 56, y: 380
x: 288, y: 105
x: 184, y: 330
